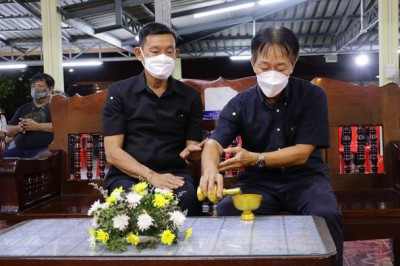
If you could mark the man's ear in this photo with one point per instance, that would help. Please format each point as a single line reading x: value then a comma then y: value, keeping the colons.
x: 252, y: 61
x: 177, y: 52
x: 294, y: 64
x: 138, y: 53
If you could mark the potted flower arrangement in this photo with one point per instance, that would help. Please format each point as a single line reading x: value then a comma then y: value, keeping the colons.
x: 142, y: 217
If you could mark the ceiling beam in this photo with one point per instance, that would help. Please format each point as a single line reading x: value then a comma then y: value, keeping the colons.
x: 206, y: 30
x: 360, y: 27
x: 96, y: 7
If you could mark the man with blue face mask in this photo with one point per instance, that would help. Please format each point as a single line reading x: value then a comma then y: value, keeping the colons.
x: 152, y: 122
x: 283, y: 124
x: 31, y: 124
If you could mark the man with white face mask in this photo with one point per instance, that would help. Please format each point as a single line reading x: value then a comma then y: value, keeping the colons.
x: 152, y: 122
x: 31, y: 124
x: 283, y: 123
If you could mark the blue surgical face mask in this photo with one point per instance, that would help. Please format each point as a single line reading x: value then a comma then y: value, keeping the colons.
x: 39, y: 94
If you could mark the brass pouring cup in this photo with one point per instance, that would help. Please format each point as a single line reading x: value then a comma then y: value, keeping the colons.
x: 247, y: 203
x: 213, y: 196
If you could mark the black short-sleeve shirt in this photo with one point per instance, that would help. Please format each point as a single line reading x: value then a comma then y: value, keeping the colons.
x: 155, y: 128
x: 32, y: 139
x: 299, y: 117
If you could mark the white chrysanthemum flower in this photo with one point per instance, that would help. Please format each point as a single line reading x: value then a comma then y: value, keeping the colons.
x: 92, y: 241
x: 162, y: 191
x: 95, y: 224
x: 105, y: 205
x: 133, y: 199
x: 95, y: 206
x: 177, y: 217
x: 121, y: 221
x: 144, y: 221
x: 116, y: 194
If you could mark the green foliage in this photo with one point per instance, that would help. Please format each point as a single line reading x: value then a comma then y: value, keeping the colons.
x: 15, y: 89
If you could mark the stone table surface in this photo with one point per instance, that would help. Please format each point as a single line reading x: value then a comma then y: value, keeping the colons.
x: 212, y: 237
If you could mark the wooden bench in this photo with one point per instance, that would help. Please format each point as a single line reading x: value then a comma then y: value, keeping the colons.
x: 59, y: 186
x: 370, y: 202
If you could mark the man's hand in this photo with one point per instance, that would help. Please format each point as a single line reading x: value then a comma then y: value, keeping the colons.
x: 169, y: 181
x: 193, y: 151
x: 208, y: 180
x: 28, y: 124
x: 242, y: 158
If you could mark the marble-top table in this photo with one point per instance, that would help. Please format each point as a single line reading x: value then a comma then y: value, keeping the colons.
x: 268, y: 240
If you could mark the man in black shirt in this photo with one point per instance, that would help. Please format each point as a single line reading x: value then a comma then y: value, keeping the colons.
x: 31, y: 124
x: 283, y: 123
x: 152, y: 122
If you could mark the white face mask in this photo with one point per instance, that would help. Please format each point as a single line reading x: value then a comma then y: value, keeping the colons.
x: 159, y: 66
x: 272, y: 82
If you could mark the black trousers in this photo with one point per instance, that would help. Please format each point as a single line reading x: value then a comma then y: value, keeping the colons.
x: 188, y: 197
x: 312, y: 195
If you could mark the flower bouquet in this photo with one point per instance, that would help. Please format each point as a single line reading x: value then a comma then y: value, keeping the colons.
x: 142, y: 217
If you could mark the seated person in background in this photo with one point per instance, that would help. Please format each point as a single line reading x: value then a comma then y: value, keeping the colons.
x: 3, y: 130
x: 283, y: 123
x: 152, y: 122
x: 31, y: 124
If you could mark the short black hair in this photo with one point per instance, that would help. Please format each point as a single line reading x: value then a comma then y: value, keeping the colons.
x: 154, y: 28
x: 43, y: 76
x: 275, y: 35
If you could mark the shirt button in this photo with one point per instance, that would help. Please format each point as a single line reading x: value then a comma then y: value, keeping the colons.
x: 278, y: 129
x: 277, y: 110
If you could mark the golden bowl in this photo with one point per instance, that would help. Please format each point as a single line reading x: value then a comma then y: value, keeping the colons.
x: 247, y: 203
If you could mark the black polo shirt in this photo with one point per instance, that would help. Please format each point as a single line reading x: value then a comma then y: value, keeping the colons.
x: 300, y: 117
x: 32, y: 139
x: 155, y: 128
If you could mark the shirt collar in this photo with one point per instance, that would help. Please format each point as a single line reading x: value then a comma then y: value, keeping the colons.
x: 172, y: 85
x: 262, y: 97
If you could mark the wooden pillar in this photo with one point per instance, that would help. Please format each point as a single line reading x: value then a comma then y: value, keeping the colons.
x: 163, y: 11
x: 177, y: 73
x: 388, y: 40
x: 163, y: 15
x: 52, y: 43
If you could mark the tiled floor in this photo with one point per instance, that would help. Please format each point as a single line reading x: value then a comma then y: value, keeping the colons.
x: 371, y: 252
x: 356, y: 253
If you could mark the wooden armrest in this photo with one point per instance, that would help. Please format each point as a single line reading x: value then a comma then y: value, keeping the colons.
x: 22, y: 166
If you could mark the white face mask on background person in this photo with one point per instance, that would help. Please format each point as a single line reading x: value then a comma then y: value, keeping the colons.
x: 159, y: 66
x: 39, y: 94
x: 272, y: 82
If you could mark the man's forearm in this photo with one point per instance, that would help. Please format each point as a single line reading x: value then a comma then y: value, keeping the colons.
x: 46, y: 127
x: 13, y: 130
x: 211, y: 155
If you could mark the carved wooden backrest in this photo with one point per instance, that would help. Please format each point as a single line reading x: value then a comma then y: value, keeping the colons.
x: 72, y: 118
x: 352, y: 110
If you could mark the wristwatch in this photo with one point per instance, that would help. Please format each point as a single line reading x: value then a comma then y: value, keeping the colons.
x: 261, y: 160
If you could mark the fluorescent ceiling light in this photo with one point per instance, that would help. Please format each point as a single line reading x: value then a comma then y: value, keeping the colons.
x: 223, y: 10
x: 240, y: 57
x: 81, y: 63
x: 362, y: 60
x: 12, y: 66
x: 265, y: 2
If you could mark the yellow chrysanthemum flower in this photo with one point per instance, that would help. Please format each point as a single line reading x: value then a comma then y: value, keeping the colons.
x: 111, y: 199
x: 92, y: 232
x: 117, y: 191
x: 132, y: 239
x: 102, y: 236
x: 140, y: 187
x: 167, y: 237
x: 169, y: 195
x: 159, y: 201
x: 188, y: 233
